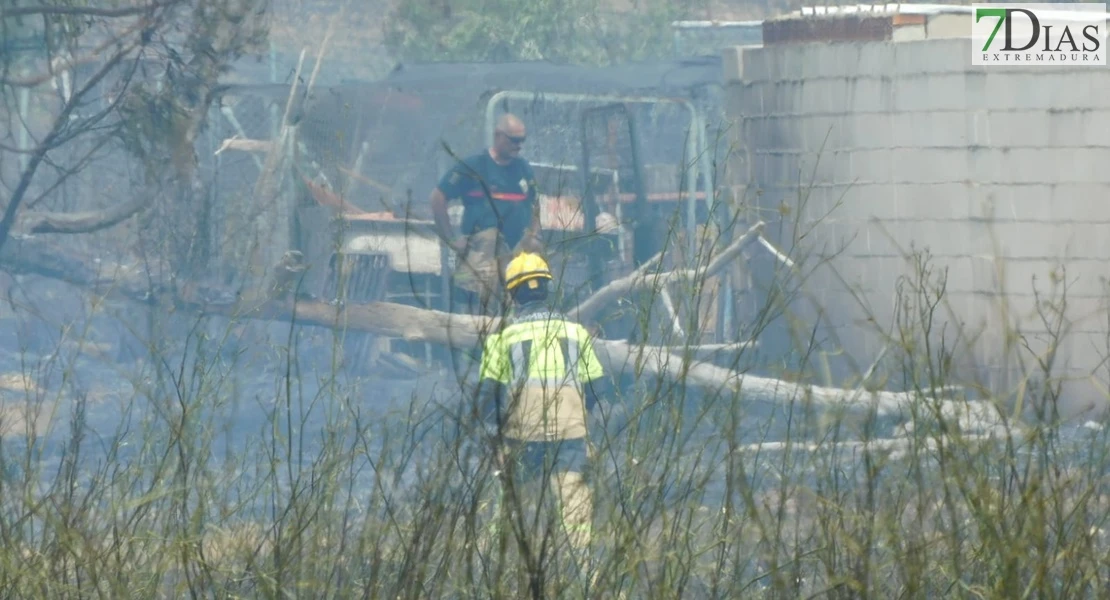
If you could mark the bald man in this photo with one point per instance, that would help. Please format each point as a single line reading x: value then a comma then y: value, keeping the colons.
x: 497, y: 188
x: 498, y: 192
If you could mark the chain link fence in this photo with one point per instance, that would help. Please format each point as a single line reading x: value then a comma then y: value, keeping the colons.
x: 382, y: 146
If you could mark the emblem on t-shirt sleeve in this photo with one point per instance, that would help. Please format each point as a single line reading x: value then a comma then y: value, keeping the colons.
x: 523, y: 185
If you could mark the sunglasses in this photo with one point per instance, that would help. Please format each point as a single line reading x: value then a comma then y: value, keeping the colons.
x: 516, y: 139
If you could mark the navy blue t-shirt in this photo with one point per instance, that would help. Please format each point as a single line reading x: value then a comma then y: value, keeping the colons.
x: 493, y: 195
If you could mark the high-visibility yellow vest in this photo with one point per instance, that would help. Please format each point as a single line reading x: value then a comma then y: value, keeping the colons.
x: 543, y: 361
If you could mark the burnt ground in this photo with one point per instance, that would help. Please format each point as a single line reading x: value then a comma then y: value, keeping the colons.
x: 91, y: 373
x: 252, y: 416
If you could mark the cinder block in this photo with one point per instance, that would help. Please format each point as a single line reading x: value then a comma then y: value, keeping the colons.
x: 732, y: 63
x: 838, y: 94
x: 758, y: 131
x: 929, y: 165
x: 1018, y: 128
x: 875, y: 60
x: 838, y: 165
x: 1082, y: 353
x: 872, y: 166
x: 815, y: 201
x: 780, y: 98
x: 771, y: 61
x: 1002, y: 164
x: 944, y: 238
x: 821, y: 168
x: 1082, y: 241
x: 931, y: 57
x: 922, y: 91
x: 1071, y: 202
x: 756, y: 66
x: 1030, y: 276
x: 892, y: 238
x: 978, y: 127
x: 984, y: 276
x: 1079, y: 165
x: 798, y: 61
x: 824, y: 133
x: 1044, y: 89
x: 771, y: 197
x: 873, y: 131
x: 736, y: 100
x: 804, y: 97
x: 839, y: 201
x: 746, y: 100
x: 813, y: 95
x: 866, y: 201
x: 1019, y: 90
x: 1087, y: 280
x: 1016, y: 202
x: 932, y: 201
x: 779, y: 169
x: 944, y: 129
x: 869, y: 94
x: 958, y: 272
x: 873, y: 240
x: 1068, y: 128
x: 832, y: 60
x: 1051, y: 241
x: 737, y: 168
x: 966, y: 238
x: 1096, y: 122
x: 1086, y: 165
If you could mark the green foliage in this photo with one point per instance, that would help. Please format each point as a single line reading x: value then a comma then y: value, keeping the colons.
x: 576, y: 31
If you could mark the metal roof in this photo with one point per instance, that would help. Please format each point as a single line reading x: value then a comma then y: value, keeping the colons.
x: 916, y: 9
x: 674, y: 76
x: 884, y: 9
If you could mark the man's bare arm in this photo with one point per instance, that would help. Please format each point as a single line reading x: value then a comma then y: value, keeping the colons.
x: 442, y: 220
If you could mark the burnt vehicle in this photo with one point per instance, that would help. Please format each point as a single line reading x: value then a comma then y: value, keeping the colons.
x: 627, y: 158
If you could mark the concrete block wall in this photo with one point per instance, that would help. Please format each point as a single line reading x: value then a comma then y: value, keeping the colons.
x: 1002, y: 173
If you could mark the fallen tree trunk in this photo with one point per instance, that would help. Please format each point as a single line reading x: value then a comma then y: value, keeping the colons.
x: 33, y: 255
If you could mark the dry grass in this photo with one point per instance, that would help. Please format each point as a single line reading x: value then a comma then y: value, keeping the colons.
x: 700, y: 494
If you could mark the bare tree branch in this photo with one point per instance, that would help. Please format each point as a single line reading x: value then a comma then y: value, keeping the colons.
x: 57, y: 133
x: 58, y: 64
x: 65, y: 173
x: 82, y: 222
x: 84, y: 11
x: 642, y: 278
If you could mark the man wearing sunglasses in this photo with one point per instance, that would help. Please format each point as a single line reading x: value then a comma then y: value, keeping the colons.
x: 500, y: 208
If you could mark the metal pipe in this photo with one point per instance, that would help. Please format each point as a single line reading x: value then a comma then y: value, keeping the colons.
x: 619, y: 216
x: 709, y: 183
x: 713, y: 24
x: 691, y: 168
x: 692, y: 187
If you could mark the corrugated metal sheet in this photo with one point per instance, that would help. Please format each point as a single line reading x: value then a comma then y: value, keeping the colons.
x: 884, y: 9
x: 848, y: 28
x: 867, y: 22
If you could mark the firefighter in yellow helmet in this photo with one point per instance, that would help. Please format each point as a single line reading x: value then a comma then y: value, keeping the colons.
x: 539, y: 378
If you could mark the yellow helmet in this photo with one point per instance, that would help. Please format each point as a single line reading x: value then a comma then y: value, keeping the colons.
x: 526, y: 266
